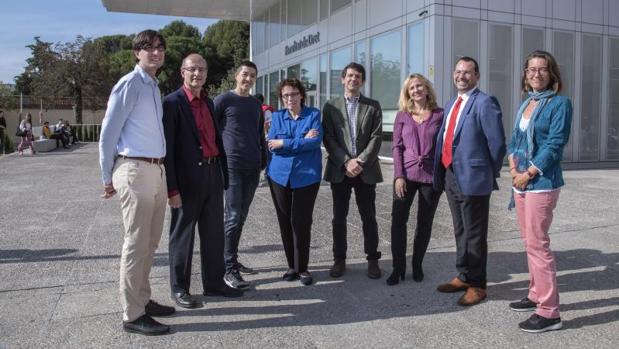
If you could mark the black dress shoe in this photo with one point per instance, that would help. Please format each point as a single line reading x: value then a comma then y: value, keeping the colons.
x: 185, y: 300
x: 224, y: 291
x: 338, y: 268
x: 155, y: 309
x: 290, y: 275
x: 146, y: 325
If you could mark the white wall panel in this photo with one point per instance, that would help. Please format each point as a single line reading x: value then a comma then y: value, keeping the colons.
x: 564, y: 9
x: 384, y: 10
x: 593, y: 11
x: 502, y: 5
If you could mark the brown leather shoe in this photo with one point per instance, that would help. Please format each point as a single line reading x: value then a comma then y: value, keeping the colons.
x: 338, y: 268
x: 452, y: 286
x: 472, y: 296
x: 373, y: 269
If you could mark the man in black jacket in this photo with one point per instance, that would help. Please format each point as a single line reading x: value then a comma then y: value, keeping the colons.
x: 196, y: 176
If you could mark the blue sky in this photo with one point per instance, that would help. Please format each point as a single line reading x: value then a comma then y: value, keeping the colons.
x: 61, y: 21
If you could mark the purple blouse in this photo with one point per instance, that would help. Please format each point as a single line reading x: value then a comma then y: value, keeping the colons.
x: 413, y: 146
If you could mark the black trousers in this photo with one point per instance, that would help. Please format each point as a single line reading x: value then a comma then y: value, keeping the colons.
x: 206, y: 209
x: 427, y: 204
x: 295, y: 208
x: 365, y: 196
x: 470, y: 220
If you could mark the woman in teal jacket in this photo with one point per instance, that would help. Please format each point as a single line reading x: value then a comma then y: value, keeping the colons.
x: 541, y: 131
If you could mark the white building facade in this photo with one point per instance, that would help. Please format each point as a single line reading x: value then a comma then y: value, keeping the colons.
x: 314, y: 39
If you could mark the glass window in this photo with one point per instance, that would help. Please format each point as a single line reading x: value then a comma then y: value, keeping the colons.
x: 360, y: 57
x: 563, y: 50
x: 338, y: 4
x: 259, y: 86
x: 385, y: 59
x: 416, y: 48
x: 273, y: 97
x: 590, y: 97
x: 360, y: 52
x: 309, y: 77
x: 293, y: 71
x: 323, y: 79
x: 309, y: 12
x: 500, y: 75
x: 465, y: 43
x: 532, y: 39
x: 283, y: 19
x: 339, y: 59
x: 294, y: 17
x: 258, y: 30
x: 324, y: 9
x: 612, y: 147
x: 274, y: 24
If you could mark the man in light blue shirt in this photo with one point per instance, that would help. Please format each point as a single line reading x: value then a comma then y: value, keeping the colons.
x: 131, y: 152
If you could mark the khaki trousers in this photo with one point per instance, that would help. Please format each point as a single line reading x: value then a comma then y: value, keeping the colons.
x: 143, y: 196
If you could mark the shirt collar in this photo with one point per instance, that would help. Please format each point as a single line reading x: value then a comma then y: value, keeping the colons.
x: 467, y: 94
x: 190, y: 95
x: 301, y: 113
x: 147, y: 79
x: 351, y: 98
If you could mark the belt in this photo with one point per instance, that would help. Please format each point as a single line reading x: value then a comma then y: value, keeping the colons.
x: 211, y: 160
x: 156, y: 161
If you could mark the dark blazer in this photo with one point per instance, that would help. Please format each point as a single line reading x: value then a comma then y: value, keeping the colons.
x: 184, y: 151
x: 336, y: 139
x: 478, y: 146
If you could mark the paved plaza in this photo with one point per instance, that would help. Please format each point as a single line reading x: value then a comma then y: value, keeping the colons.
x: 60, y: 245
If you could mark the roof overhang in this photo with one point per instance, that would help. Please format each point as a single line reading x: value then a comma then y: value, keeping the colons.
x: 238, y: 10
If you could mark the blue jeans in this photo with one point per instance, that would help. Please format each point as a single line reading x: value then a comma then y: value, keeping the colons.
x: 240, y: 193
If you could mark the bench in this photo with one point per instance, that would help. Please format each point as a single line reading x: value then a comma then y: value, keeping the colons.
x: 42, y: 144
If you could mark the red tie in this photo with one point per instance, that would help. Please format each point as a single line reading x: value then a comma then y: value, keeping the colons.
x: 446, y: 156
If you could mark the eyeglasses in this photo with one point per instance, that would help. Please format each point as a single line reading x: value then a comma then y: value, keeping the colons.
x: 195, y: 69
x: 291, y: 95
x: 149, y: 48
x: 534, y: 71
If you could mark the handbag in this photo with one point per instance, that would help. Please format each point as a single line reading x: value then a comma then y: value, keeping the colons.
x: 20, y: 132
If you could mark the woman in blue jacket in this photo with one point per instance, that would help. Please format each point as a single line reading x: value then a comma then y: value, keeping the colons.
x: 294, y: 174
x: 541, y: 131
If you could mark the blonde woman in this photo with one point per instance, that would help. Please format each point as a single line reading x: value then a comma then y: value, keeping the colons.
x: 414, y: 138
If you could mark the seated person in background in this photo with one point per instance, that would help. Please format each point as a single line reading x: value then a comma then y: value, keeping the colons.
x: 71, y: 132
x: 48, y: 134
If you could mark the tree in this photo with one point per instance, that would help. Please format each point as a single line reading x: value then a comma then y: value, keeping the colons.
x: 7, y: 98
x: 226, y: 46
x: 181, y: 39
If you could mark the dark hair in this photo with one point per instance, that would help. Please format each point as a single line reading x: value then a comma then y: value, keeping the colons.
x: 147, y: 37
x: 260, y: 97
x: 468, y: 59
x: 354, y: 66
x: 553, y: 70
x: 248, y: 64
x: 294, y: 83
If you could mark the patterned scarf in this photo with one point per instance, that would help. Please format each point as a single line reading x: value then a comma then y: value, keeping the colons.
x: 521, y: 154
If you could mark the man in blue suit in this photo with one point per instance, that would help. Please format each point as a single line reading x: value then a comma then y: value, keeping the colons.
x: 196, y: 177
x: 469, y: 154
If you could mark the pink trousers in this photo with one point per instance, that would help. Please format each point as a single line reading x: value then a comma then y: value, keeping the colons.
x: 534, y: 211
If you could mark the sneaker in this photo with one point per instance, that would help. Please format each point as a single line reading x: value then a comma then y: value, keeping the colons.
x: 524, y: 304
x: 539, y: 324
x: 245, y: 270
x: 234, y: 280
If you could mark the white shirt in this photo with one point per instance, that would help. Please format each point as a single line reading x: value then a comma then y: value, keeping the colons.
x: 133, y: 122
x: 465, y: 97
